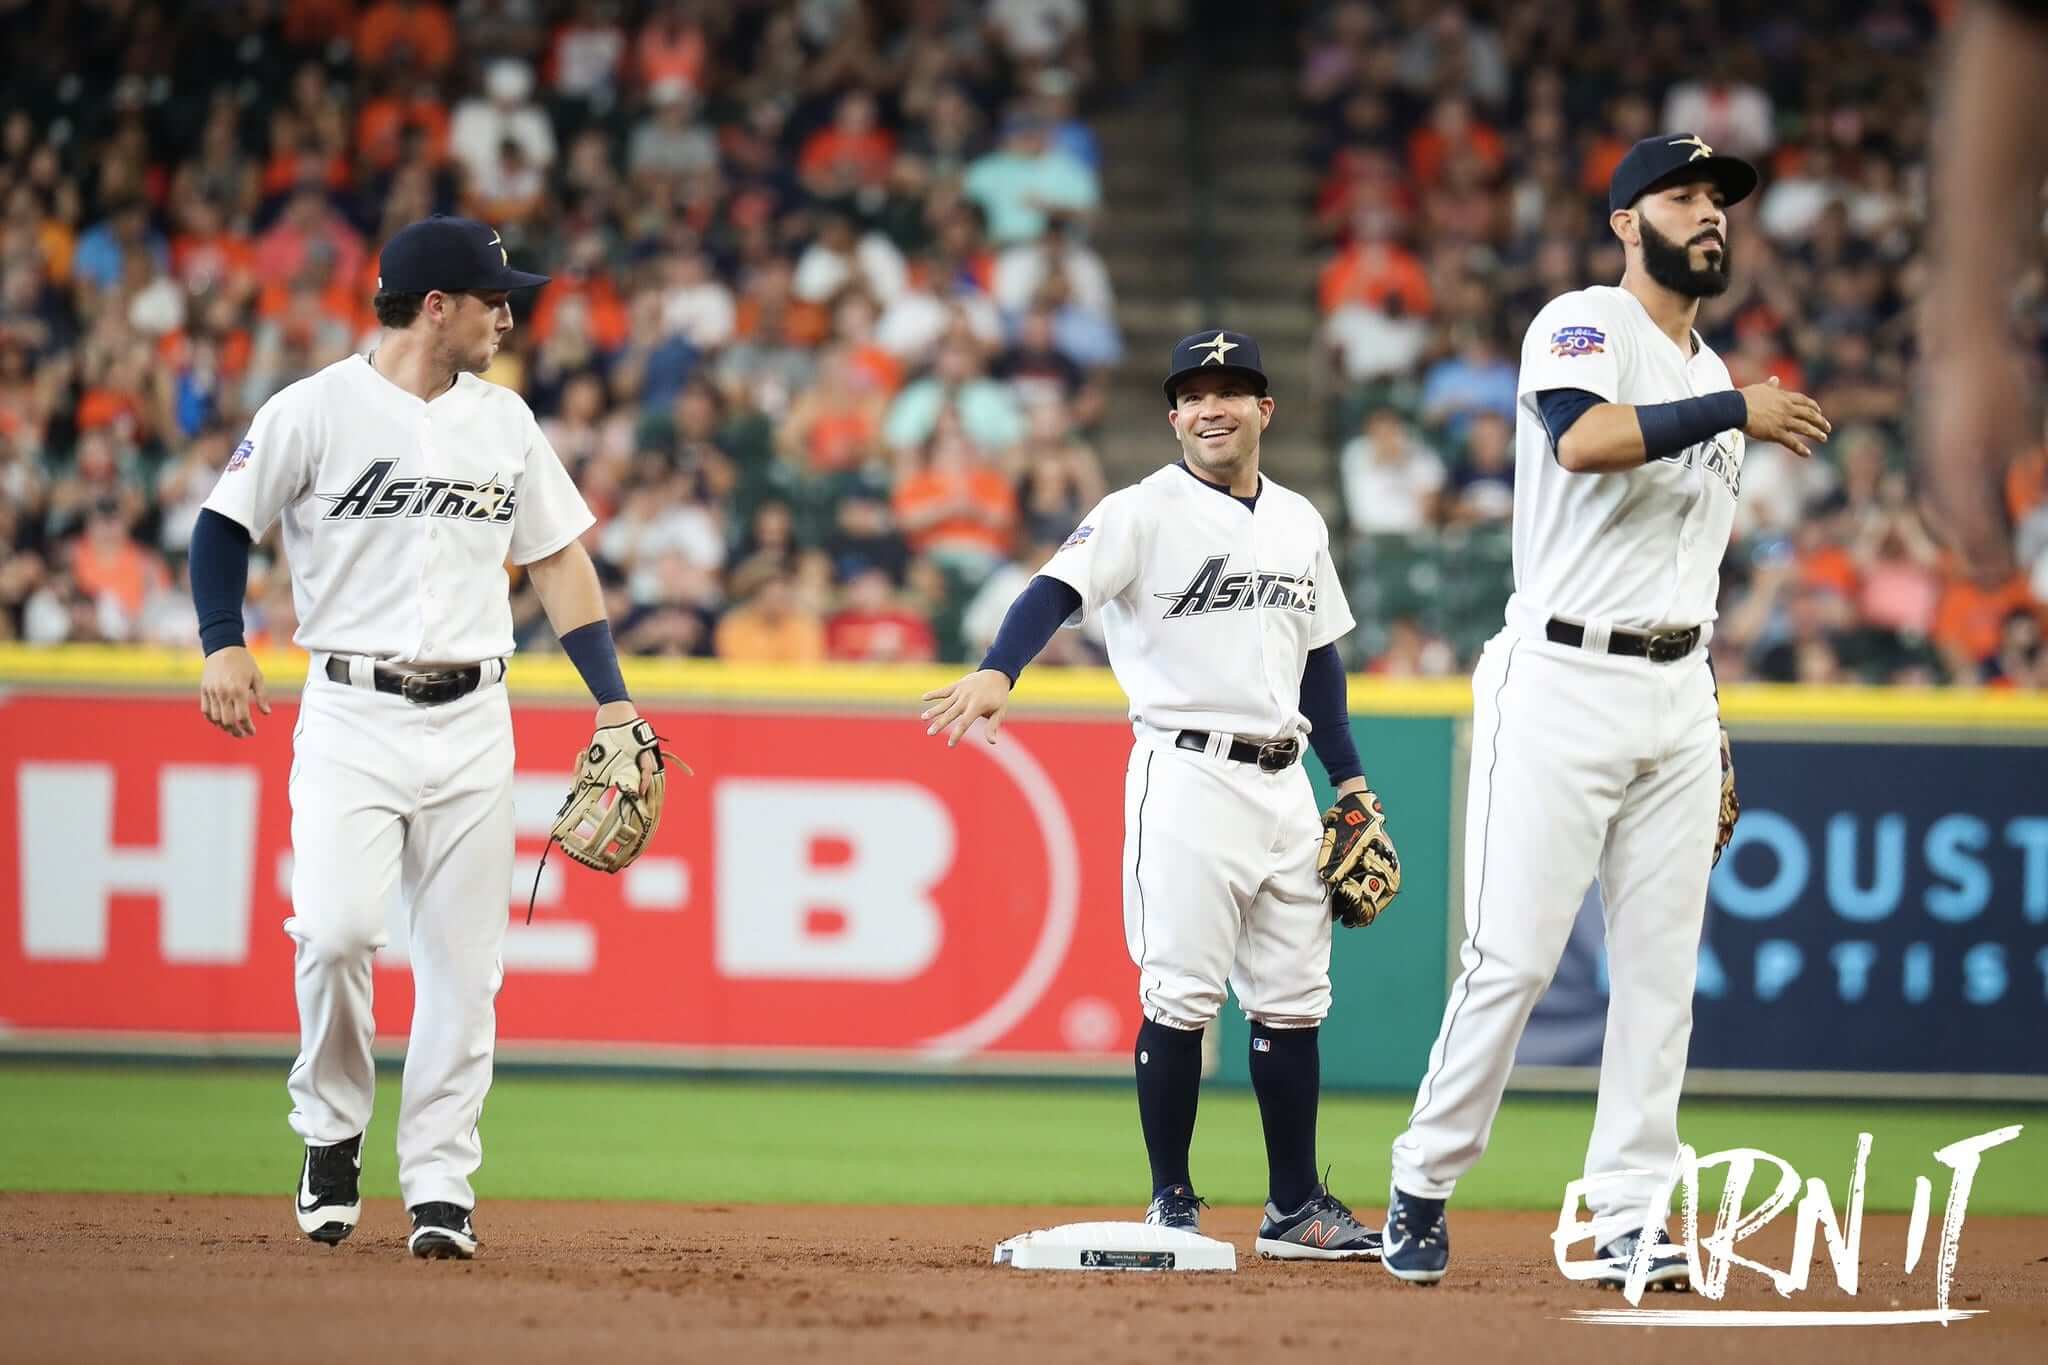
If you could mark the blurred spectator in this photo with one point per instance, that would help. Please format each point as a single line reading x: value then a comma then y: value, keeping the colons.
x: 669, y: 142
x: 504, y: 118
x: 771, y: 627
x: 958, y: 386
x: 1393, y: 484
x: 1027, y: 178
x: 1412, y: 652
x: 871, y: 626
x: 955, y: 508
x: 1475, y: 378
x: 1062, y: 477
x: 1035, y: 33
x: 1482, y: 487
x: 393, y: 32
x: 1375, y: 270
x: 1732, y: 115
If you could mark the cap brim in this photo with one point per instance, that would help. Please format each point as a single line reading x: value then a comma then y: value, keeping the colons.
x: 517, y: 279
x: 1735, y: 178
x: 1178, y: 375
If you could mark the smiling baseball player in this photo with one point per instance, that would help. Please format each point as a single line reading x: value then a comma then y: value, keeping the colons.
x: 405, y: 484
x: 1221, y: 609
x: 1596, y: 740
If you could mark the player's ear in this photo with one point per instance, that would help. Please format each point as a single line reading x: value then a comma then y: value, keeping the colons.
x: 1623, y: 222
x: 1265, y: 410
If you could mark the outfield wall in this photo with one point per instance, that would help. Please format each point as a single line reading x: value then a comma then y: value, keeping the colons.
x: 834, y: 890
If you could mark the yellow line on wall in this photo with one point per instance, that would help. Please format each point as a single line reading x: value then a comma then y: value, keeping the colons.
x: 1084, y: 690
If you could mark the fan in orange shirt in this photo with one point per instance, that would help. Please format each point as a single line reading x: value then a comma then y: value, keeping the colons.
x: 392, y: 28
x: 1375, y: 269
x: 956, y: 508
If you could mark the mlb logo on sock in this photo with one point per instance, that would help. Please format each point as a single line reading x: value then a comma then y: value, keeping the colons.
x: 1262, y: 1044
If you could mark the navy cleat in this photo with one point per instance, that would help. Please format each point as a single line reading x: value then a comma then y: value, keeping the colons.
x: 1418, y: 1241
x: 1668, y: 1268
x: 1177, y: 1206
x: 1322, y: 1229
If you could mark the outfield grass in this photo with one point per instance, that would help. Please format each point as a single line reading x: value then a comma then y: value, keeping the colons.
x: 221, y: 1130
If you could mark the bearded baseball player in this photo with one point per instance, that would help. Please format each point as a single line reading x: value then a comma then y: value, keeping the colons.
x: 1597, y: 748
x: 1221, y: 609
x: 406, y: 484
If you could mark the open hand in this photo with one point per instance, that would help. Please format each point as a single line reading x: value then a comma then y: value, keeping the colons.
x: 231, y: 691
x: 1782, y: 416
x: 984, y: 693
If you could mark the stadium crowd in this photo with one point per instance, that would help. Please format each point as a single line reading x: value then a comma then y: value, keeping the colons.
x: 1464, y: 151
x: 821, y: 345
x: 825, y: 342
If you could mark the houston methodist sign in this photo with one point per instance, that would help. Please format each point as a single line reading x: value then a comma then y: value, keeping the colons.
x: 826, y: 885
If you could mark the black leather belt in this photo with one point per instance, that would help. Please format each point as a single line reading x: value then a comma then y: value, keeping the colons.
x: 1658, y: 646
x: 424, y: 689
x: 1271, y: 756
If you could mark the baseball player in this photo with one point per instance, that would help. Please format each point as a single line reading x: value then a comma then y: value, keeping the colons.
x: 1221, y: 611
x: 406, y: 484
x: 1596, y: 740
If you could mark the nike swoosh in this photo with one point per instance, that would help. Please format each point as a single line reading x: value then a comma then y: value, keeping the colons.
x: 307, y: 1203
x: 1392, y: 1246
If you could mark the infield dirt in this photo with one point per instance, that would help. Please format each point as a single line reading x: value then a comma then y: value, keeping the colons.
x: 161, y: 1278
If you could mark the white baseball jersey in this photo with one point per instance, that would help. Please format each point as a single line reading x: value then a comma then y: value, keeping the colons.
x: 1637, y: 548
x: 400, y: 514
x: 1208, y: 608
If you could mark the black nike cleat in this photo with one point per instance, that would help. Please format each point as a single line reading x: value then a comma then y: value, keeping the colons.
x: 329, y: 1201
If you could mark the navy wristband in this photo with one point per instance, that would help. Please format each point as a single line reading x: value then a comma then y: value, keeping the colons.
x: 1670, y: 427
x: 219, y: 563
x: 591, y: 649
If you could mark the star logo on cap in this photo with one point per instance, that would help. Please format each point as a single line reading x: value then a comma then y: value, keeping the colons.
x: 1697, y: 143
x: 499, y: 242
x: 1217, y: 349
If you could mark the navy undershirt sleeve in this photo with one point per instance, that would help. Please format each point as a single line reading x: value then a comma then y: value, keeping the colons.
x: 1028, y: 626
x: 1562, y: 407
x: 220, y: 578
x: 1323, y: 702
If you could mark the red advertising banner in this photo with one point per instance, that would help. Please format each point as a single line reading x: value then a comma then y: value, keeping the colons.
x: 826, y: 883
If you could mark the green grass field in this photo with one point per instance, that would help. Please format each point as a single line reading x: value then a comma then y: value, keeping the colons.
x: 221, y: 1130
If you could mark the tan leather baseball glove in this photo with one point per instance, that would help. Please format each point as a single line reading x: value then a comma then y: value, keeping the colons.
x: 1731, y: 805
x: 614, y: 806
x: 1357, y: 860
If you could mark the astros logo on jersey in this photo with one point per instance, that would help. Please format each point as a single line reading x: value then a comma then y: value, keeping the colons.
x: 376, y: 496
x: 1211, y: 589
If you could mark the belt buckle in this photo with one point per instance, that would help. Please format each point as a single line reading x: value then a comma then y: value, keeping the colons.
x: 427, y: 689
x: 1668, y: 646
x: 1275, y: 755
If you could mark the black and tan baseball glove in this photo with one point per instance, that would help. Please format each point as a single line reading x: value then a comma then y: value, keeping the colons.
x: 614, y: 804
x: 1731, y: 805
x: 1357, y: 860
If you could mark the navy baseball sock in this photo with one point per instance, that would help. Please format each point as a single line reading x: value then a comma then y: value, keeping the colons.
x: 1287, y: 1076
x: 1169, y: 1065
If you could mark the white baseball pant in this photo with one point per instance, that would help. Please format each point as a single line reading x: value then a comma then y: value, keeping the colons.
x: 1583, y: 764
x: 386, y: 792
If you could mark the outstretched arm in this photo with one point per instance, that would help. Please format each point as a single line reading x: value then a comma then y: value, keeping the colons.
x: 985, y: 693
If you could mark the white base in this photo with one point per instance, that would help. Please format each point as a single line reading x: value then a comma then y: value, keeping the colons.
x: 1115, y: 1246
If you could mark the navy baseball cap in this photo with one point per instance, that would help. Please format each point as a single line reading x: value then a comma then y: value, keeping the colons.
x: 448, y: 254
x: 1215, y: 350
x: 1670, y: 158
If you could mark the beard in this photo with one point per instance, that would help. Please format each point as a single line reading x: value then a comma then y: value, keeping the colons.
x: 1670, y: 264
